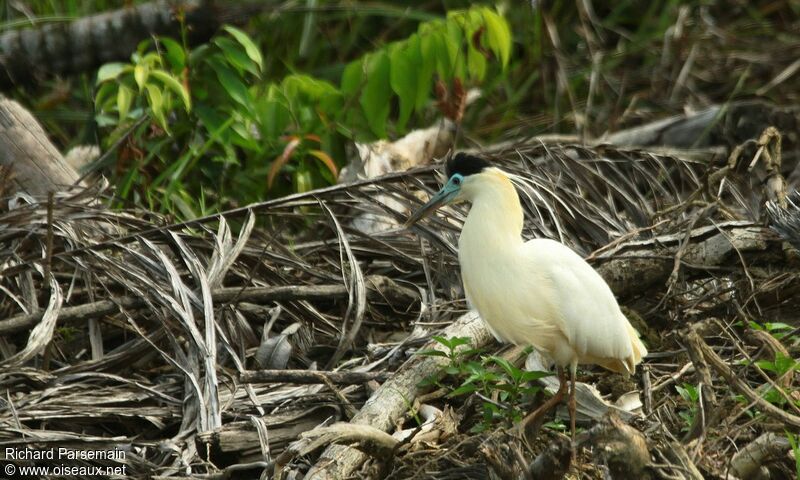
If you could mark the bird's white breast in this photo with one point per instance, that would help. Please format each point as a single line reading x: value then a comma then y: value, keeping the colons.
x: 538, y: 293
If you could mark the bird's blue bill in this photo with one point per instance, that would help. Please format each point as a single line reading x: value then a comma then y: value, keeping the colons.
x: 447, y: 194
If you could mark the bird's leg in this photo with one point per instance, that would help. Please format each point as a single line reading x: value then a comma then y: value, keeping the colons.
x: 572, y: 406
x: 531, y: 422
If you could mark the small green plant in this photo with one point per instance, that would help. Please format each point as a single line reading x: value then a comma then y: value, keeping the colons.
x: 502, y: 387
x: 780, y: 366
x: 793, y: 441
x: 457, y: 355
x: 691, y: 395
x: 778, y: 330
x: 125, y: 88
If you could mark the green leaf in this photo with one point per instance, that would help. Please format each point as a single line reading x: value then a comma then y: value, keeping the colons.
x: 772, y: 326
x: 403, y: 78
x: 425, y: 70
x: 249, y: 46
x: 174, y: 52
x: 110, y: 71
x: 272, y: 113
x: 377, y: 92
x: 156, y: 99
x: 476, y: 64
x: 530, y: 376
x: 236, y: 56
x: 215, y: 123
x: 104, y: 99
x: 352, y: 77
x: 453, y: 41
x: 452, y: 342
x: 140, y: 75
x: 432, y: 353
x: 505, y: 365
x: 463, y: 390
x: 232, y: 84
x: 124, y: 98
x: 498, y: 35
x: 173, y: 84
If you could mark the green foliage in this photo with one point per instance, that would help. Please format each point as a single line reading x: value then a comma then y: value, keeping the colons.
x: 691, y: 395
x: 780, y: 366
x: 793, y: 441
x: 778, y: 330
x: 125, y: 85
x: 502, y: 387
x: 224, y: 128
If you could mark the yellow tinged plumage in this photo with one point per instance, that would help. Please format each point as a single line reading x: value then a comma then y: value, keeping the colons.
x: 540, y: 292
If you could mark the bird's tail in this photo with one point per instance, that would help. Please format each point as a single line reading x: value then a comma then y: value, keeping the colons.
x: 786, y: 221
x: 639, y: 350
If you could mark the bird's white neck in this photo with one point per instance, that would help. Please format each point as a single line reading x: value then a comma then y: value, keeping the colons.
x: 495, y: 220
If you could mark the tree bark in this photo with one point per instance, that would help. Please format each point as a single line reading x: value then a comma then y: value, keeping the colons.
x: 85, y: 44
x: 35, y: 164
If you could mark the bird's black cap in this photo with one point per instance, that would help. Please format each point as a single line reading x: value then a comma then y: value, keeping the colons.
x: 465, y: 164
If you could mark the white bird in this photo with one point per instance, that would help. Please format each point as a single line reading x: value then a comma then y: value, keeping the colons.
x: 539, y: 292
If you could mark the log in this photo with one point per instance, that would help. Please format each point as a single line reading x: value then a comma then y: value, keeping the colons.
x: 63, y: 48
x: 36, y: 166
x: 729, y: 125
x: 636, y: 266
x: 392, y: 399
x: 310, y: 377
x: 767, y: 447
x: 241, y: 439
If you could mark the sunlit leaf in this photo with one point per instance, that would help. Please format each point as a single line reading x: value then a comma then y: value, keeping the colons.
x: 140, y: 75
x: 124, y: 98
x: 173, y: 84
x: 377, y: 92
x: 498, y: 35
x: 110, y: 71
x: 174, y: 52
x: 476, y: 64
x: 236, y: 56
x: 156, y: 100
x: 252, y: 50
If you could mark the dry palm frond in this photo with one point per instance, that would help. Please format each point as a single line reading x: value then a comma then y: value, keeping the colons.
x: 172, y: 353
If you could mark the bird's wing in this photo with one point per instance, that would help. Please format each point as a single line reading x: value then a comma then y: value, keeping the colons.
x: 583, y: 303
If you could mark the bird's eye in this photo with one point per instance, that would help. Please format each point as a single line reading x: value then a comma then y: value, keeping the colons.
x: 456, y: 180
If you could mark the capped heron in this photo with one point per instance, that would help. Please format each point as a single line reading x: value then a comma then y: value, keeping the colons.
x: 539, y: 292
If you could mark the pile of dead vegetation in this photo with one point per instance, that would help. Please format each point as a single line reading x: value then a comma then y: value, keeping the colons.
x: 237, y: 344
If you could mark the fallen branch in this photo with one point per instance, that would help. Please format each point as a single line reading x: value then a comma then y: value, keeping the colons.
x: 738, y: 384
x: 310, y: 377
x: 378, y: 288
x: 634, y: 266
x: 393, y: 398
x: 747, y: 461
